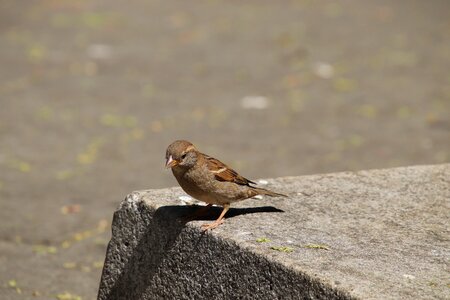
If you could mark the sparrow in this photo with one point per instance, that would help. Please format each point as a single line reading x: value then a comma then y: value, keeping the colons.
x: 209, y: 180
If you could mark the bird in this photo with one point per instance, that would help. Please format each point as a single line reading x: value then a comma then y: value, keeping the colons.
x: 207, y: 179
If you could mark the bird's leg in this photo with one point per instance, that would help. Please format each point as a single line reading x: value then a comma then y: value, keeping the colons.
x: 219, y: 221
x: 197, y: 213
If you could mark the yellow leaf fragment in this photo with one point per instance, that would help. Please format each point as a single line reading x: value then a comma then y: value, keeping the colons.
x: 43, y: 249
x: 262, y: 240
x: 20, y: 165
x: 68, y: 296
x: 36, y: 53
x: 12, y: 283
x: 65, y: 244
x: 90, y: 154
x: 79, y: 236
x: 69, y: 265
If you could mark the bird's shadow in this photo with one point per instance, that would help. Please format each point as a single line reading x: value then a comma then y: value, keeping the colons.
x: 190, y: 213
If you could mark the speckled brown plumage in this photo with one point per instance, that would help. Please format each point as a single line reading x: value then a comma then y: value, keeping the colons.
x: 208, y: 179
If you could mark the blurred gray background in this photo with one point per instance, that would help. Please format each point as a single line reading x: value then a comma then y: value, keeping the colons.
x: 91, y: 94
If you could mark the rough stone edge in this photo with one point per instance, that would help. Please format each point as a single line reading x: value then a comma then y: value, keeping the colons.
x: 315, y: 288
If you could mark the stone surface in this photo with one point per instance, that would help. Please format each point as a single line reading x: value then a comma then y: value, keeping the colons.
x: 371, y: 234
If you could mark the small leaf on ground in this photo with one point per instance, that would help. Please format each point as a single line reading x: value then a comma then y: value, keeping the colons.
x: 262, y: 240
x: 69, y: 265
x: 12, y: 283
x: 67, y: 296
x: 42, y: 249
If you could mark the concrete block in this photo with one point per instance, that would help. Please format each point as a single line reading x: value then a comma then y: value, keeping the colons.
x: 374, y: 234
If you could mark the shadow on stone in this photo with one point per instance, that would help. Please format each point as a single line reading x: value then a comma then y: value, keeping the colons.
x: 213, y: 212
x: 148, y: 244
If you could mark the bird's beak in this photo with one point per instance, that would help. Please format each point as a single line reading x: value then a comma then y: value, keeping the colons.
x: 170, y: 162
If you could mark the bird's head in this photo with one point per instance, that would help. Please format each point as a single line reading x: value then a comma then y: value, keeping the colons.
x: 181, y: 154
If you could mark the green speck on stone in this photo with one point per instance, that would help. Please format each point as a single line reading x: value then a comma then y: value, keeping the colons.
x: 282, y: 249
x: 262, y: 240
x: 432, y: 283
x: 317, y: 246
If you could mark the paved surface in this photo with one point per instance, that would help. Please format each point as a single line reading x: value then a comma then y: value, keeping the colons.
x: 92, y: 93
x: 379, y: 234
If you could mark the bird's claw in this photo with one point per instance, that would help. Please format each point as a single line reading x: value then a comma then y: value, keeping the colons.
x: 211, y: 226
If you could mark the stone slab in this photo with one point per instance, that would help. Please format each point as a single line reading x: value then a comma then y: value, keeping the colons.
x: 374, y: 234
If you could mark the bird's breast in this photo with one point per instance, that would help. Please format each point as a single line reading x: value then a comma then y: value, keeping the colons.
x: 201, y: 185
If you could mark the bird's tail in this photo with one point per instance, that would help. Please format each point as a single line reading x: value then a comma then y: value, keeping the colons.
x: 261, y: 191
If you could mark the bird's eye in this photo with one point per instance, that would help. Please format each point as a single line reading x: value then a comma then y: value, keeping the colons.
x: 183, y: 156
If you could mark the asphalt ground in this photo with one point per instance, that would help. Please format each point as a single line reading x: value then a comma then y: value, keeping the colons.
x: 91, y: 94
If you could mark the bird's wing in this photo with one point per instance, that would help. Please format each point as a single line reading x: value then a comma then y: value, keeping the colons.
x: 223, y: 173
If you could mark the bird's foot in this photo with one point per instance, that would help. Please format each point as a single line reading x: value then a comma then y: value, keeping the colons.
x: 211, y: 226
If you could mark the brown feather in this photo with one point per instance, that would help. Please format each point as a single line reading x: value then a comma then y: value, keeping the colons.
x: 223, y: 173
